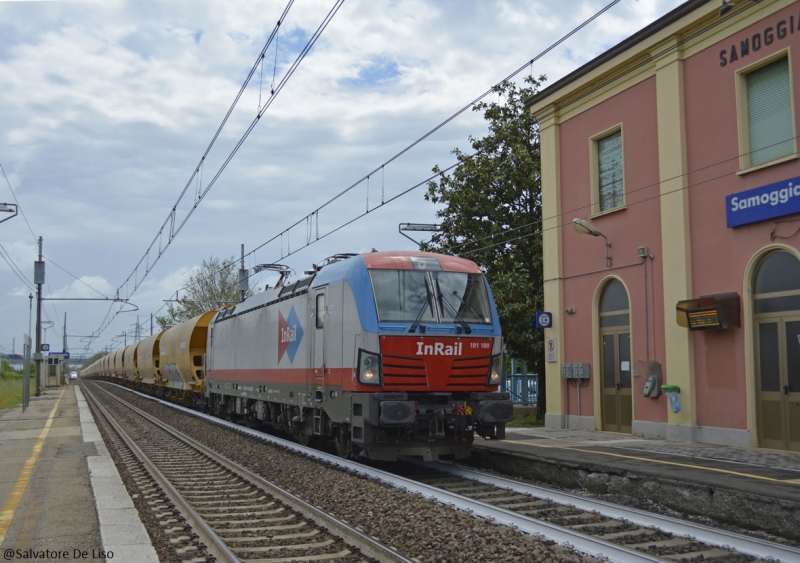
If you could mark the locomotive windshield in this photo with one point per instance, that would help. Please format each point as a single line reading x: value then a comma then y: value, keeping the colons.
x: 430, y: 297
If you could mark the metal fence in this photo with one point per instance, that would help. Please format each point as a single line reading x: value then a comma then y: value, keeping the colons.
x: 524, y: 389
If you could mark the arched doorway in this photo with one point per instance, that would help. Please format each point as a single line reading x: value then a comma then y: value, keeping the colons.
x: 615, y: 357
x: 776, y: 319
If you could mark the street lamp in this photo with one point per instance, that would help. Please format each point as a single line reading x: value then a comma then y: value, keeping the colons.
x: 8, y: 208
x: 430, y: 227
x: 584, y: 227
x: 45, y: 326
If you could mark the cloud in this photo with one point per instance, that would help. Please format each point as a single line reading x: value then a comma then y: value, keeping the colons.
x: 109, y: 108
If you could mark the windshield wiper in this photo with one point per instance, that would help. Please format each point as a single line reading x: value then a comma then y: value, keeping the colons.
x: 422, y: 310
x: 456, y: 315
x: 471, y: 308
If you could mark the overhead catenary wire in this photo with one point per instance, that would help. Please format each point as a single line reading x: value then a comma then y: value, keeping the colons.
x: 540, y: 231
x: 381, y: 168
x: 173, y: 232
x: 50, y: 260
x: 108, y: 317
x: 532, y: 224
x: 14, y: 268
x: 559, y: 216
x: 649, y: 60
x: 527, y: 64
x: 19, y: 207
x: 198, y: 169
x: 5, y: 254
x: 646, y: 61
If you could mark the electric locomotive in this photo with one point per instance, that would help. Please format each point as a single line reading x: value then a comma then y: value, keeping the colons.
x: 387, y: 354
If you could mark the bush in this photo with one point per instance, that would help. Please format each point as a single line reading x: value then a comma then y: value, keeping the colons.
x: 525, y: 421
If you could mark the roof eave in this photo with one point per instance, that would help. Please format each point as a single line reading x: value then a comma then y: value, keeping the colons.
x: 645, y: 33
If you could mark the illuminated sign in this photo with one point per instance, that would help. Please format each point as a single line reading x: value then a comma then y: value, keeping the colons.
x: 710, y: 312
x: 704, y: 320
x: 767, y: 202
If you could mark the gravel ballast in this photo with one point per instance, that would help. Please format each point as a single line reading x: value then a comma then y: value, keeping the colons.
x: 417, y: 527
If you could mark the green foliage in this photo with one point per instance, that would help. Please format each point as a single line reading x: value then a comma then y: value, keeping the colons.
x: 214, y: 285
x: 526, y: 421
x: 96, y: 356
x: 11, y: 385
x: 492, y: 212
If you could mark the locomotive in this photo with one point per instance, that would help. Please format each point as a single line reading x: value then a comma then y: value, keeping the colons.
x: 385, y: 354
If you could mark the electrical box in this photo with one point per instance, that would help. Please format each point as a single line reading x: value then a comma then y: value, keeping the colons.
x: 575, y: 371
x: 38, y: 272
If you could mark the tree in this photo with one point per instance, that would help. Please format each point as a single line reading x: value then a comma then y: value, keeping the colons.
x: 96, y: 356
x: 492, y: 215
x: 212, y: 286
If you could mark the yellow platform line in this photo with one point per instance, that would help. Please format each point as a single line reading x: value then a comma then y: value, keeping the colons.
x: 678, y: 464
x: 10, y: 508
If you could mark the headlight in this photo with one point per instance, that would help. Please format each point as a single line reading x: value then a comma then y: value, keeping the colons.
x: 495, y: 370
x: 369, y: 368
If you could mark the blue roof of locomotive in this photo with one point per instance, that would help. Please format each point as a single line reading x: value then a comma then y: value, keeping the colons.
x: 354, y: 271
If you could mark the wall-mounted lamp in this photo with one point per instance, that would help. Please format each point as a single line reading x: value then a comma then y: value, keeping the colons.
x: 570, y: 310
x: 586, y: 228
x: 726, y: 7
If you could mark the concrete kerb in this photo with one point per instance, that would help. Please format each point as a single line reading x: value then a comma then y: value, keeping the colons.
x: 751, y: 511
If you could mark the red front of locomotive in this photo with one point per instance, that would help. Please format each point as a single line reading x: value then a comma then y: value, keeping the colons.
x: 433, y: 360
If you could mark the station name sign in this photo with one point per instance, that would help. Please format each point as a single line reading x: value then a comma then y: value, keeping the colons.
x: 777, y: 31
x: 767, y: 202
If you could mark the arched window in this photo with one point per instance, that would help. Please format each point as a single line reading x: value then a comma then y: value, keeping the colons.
x: 777, y: 284
x: 614, y: 305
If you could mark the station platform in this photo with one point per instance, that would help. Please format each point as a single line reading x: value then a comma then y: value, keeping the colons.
x: 61, y: 496
x: 750, y: 487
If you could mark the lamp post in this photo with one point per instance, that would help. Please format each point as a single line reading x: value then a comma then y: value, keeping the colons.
x: 584, y: 227
x: 8, y: 208
x: 45, y: 326
x: 38, y: 280
x: 429, y: 227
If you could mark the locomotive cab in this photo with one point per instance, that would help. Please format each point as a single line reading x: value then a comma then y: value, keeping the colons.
x: 433, y: 362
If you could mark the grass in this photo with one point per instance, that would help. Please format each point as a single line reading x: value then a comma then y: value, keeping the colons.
x: 11, y: 390
x: 525, y: 421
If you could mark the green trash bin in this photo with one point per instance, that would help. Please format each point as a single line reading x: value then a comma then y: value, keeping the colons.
x: 672, y: 396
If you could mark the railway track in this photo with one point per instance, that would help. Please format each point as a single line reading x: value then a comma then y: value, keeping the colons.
x: 664, y: 538
x: 211, y: 508
x: 594, y: 528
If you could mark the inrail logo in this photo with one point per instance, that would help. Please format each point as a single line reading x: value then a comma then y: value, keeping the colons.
x: 438, y: 349
x: 290, y: 333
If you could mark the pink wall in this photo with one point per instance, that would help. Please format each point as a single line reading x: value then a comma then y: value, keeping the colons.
x: 719, y: 254
x: 627, y: 229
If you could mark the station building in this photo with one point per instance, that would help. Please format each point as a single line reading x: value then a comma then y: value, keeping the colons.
x: 671, y: 198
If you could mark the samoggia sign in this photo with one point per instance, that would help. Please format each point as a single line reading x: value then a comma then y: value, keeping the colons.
x: 767, y: 202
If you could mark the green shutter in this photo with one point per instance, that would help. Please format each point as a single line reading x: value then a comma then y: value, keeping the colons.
x: 609, y: 157
x: 769, y: 113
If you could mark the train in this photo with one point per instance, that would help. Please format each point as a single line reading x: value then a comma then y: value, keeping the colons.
x: 382, y: 354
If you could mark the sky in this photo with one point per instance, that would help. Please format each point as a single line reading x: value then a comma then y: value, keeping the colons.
x: 107, y: 108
